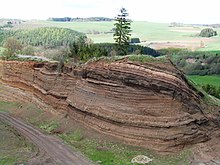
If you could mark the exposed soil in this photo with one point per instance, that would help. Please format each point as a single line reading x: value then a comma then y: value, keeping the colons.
x: 52, y: 148
x: 207, y: 153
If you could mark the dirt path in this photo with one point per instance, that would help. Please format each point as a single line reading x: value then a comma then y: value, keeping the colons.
x: 54, y: 147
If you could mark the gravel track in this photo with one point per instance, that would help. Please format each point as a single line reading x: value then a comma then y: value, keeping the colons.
x: 59, y: 152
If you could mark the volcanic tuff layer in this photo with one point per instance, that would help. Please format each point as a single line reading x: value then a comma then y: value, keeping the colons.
x: 149, y: 105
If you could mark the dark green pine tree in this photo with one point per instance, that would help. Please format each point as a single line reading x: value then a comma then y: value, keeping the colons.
x: 122, y: 31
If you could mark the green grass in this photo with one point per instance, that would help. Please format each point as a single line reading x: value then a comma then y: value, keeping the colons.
x: 49, y: 127
x: 203, y: 80
x: 197, y: 81
x: 108, y: 153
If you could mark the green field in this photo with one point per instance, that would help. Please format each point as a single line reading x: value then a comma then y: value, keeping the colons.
x: 203, y: 80
x: 148, y: 32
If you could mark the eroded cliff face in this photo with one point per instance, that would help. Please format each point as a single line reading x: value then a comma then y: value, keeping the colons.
x: 149, y: 105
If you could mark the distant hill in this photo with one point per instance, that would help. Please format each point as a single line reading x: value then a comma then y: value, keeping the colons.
x: 77, y: 19
x: 45, y: 36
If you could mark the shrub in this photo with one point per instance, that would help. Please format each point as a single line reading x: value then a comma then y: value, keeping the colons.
x: 12, y: 47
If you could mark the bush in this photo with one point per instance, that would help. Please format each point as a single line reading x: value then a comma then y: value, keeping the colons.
x: 28, y: 50
x: 12, y: 47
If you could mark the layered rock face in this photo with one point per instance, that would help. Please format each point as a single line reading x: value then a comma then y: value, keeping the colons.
x: 149, y: 105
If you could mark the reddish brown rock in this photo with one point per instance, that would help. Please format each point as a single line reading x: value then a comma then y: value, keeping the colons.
x: 149, y: 105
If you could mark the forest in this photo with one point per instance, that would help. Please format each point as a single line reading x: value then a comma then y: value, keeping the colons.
x: 45, y: 36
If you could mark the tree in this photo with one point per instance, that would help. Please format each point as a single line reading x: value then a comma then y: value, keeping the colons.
x: 208, y: 32
x: 122, y: 31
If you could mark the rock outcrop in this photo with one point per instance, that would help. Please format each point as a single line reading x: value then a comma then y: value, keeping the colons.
x: 149, y: 105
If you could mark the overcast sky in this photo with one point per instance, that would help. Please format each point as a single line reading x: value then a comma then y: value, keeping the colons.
x: 185, y: 11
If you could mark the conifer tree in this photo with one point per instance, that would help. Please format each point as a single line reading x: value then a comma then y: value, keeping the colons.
x: 122, y: 31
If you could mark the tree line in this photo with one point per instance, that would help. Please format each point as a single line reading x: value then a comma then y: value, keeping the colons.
x: 78, y: 19
x: 195, y: 63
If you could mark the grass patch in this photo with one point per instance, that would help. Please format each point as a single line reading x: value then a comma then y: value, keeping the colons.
x: 49, y: 127
x: 15, y: 58
x: 6, y: 106
x: 146, y: 58
x: 14, y: 149
x: 108, y: 153
x: 203, y: 80
x: 137, y: 58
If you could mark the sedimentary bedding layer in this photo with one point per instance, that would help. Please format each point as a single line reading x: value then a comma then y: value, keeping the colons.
x: 149, y: 105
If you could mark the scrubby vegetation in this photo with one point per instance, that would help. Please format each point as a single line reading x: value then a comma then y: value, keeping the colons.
x: 197, y: 63
x: 83, y: 51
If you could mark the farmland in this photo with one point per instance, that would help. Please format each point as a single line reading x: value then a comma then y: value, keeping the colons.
x: 155, y: 35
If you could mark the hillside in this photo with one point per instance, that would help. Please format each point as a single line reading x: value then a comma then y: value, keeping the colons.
x: 44, y: 36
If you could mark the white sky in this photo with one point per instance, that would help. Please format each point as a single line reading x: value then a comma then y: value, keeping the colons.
x: 185, y: 11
